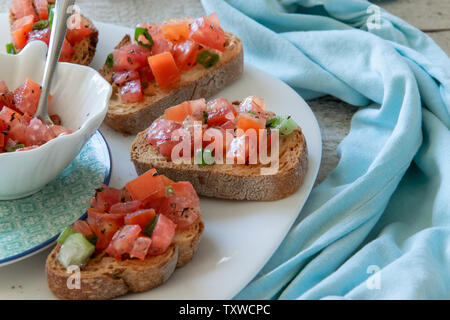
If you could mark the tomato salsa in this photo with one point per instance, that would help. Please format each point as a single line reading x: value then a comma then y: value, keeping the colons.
x: 18, y: 129
x: 33, y: 21
x: 160, y: 52
x: 232, y: 123
x: 139, y: 220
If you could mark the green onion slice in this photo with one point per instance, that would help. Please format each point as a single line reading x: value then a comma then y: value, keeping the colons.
x: 40, y: 25
x: 143, y: 31
x: 150, y: 226
x: 51, y: 15
x: 10, y: 48
x: 169, y: 191
x: 207, y: 58
x: 109, y: 60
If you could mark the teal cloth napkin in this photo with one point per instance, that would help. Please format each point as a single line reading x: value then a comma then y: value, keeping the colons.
x: 379, y: 226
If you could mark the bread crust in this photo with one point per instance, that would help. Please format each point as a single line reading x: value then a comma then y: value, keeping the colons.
x: 231, y: 181
x: 84, y: 51
x: 104, y: 277
x: 195, y: 83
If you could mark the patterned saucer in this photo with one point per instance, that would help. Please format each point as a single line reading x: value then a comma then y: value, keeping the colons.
x: 31, y: 224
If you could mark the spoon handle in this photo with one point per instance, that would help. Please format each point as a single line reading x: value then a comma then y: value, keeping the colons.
x: 58, y: 34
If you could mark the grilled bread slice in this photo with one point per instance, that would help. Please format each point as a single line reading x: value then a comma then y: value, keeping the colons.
x: 195, y: 83
x: 104, y: 277
x: 232, y: 181
x: 85, y: 49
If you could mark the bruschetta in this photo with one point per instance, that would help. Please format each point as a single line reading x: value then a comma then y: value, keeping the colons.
x: 261, y: 157
x: 132, y: 240
x: 165, y: 64
x: 31, y: 20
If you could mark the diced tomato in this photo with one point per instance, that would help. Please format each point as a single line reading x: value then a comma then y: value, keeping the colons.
x: 83, y: 227
x: 146, y: 75
x: 219, y: 111
x: 59, y: 130
x: 42, y: 35
x: 123, y: 241
x: 131, y: 91
x: 37, y: 133
x: 162, y: 235
x: 6, y: 97
x: 20, y: 29
x: 125, y: 207
x: 104, y: 226
x: 149, y: 184
x: 141, y: 217
x: 67, y: 52
x: 22, y: 8
x: 77, y: 29
x: 178, y: 113
x: 140, y: 248
x: 130, y: 57
x: 159, y: 135
x: 16, y: 124
x: 228, y: 125
x: 186, y: 189
x: 164, y: 69
x: 122, y: 77
x: 105, y: 197
x: 175, y: 32
x: 41, y: 8
x: 160, y: 43
x: 56, y: 119
x: 206, y: 31
x: 27, y: 96
x: 253, y: 104
x: 246, y: 121
x: 3, y: 133
x: 185, y: 54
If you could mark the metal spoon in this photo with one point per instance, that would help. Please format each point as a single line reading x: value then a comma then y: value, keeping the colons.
x: 58, y: 34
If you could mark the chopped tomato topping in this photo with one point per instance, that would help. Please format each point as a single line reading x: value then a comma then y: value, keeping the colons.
x: 253, y: 105
x: 41, y: 8
x: 122, y: 77
x: 220, y: 111
x: 160, y: 133
x: 131, y: 91
x: 77, y: 29
x: 42, y: 35
x: 175, y: 32
x: 125, y: 207
x: 16, y: 124
x: 27, y: 96
x: 185, y: 54
x: 141, y: 217
x: 162, y: 235
x: 20, y: 29
x: 246, y: 121
x: 104, y: 225
x: 22, y: 8
x: 83, y: 227
x: 164, y: 69
x: 105, y: 197
x: 130, y: 57
x: 67, y: 52
x: 207, y: 31
x: 149, y: 184
x: 123, y: 241
x: 140, y: 248
x: 37, y: 133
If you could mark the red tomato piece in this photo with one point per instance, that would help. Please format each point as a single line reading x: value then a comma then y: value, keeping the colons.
x: 41, y: 8
x: 37, y: 133
x: 42, y: 35
x: 141, y: 217
x: 186, y: 189
x: 130, y: 57
x: 149, y: 184
x: 104, y: 225
x: 77, y: 29
x: 123, y: 241
x: 16, y: 124
x: 162, y: 235
x: 105, y: 197
x: 160, y: 42
x: 67, y: 52
x: 219, y: 111
x: 140, y: 248
x: 146, y: 75
x: 206, y: 31
x: 3, y: 133
x: 6, y: 97
x: 185, y: 54
x: 175, y: 32
x: 22, y: 8
x: 159, y: 135
x: 178, y: 113
x: 122, y: 77
x: 177, y: 209
x: 82, y: 227
x: 20, y: 29
x: 253, y: 104
x: 59, y: 130
x: 246, y: 121
x: 164, y: 69
x: 125, y: 207
x: 27, y: 96
x: 131, y: 91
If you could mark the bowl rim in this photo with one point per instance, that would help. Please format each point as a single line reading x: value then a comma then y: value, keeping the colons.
x: 41, y: 48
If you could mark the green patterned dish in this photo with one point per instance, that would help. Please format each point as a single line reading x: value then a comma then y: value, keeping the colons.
x: 30, y: 224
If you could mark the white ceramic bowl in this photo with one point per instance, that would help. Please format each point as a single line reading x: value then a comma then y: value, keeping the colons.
x: 80, y: 98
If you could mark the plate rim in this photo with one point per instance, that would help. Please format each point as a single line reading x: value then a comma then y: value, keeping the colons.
x: 43, y: 245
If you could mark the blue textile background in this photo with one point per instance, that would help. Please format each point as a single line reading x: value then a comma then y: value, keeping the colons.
x: 379, y: 226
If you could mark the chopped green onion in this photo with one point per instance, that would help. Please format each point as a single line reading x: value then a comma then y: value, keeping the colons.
x: 92, y: 239
x: 207, y: 158
x: 169, y: 191
x: 40, y: 25
x: 143, y: 31
x: 205, y: 117
x: 68, y: 231
x: 284, y: 124
x: 15, y: 147
x: 273, y: 122
x: 10, y: 48
x: 51, y: 15
x: 251, y: 112
x: 148, y: 229
x: 109, y: 60
x: 207, y: 58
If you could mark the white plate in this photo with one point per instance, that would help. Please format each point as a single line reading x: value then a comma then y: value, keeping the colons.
x: 240, y: 236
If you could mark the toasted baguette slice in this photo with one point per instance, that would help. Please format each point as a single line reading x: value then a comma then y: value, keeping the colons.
x: 104, y: 277
x: 232, y: 181
x: 85, y: 49
x: 195, y: 83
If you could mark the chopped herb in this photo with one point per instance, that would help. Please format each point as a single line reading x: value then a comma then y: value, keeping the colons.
x: 92, y: 239
x: 205, y: 117
x: 207, y: 58
x: 169, y: 191
x: 15, y: 147
x: 251, y: 112
x: 40, y: 25
x: 143, y: 31
x: 10, y: 48
x: 109, y: 60
x: 148, y: 229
